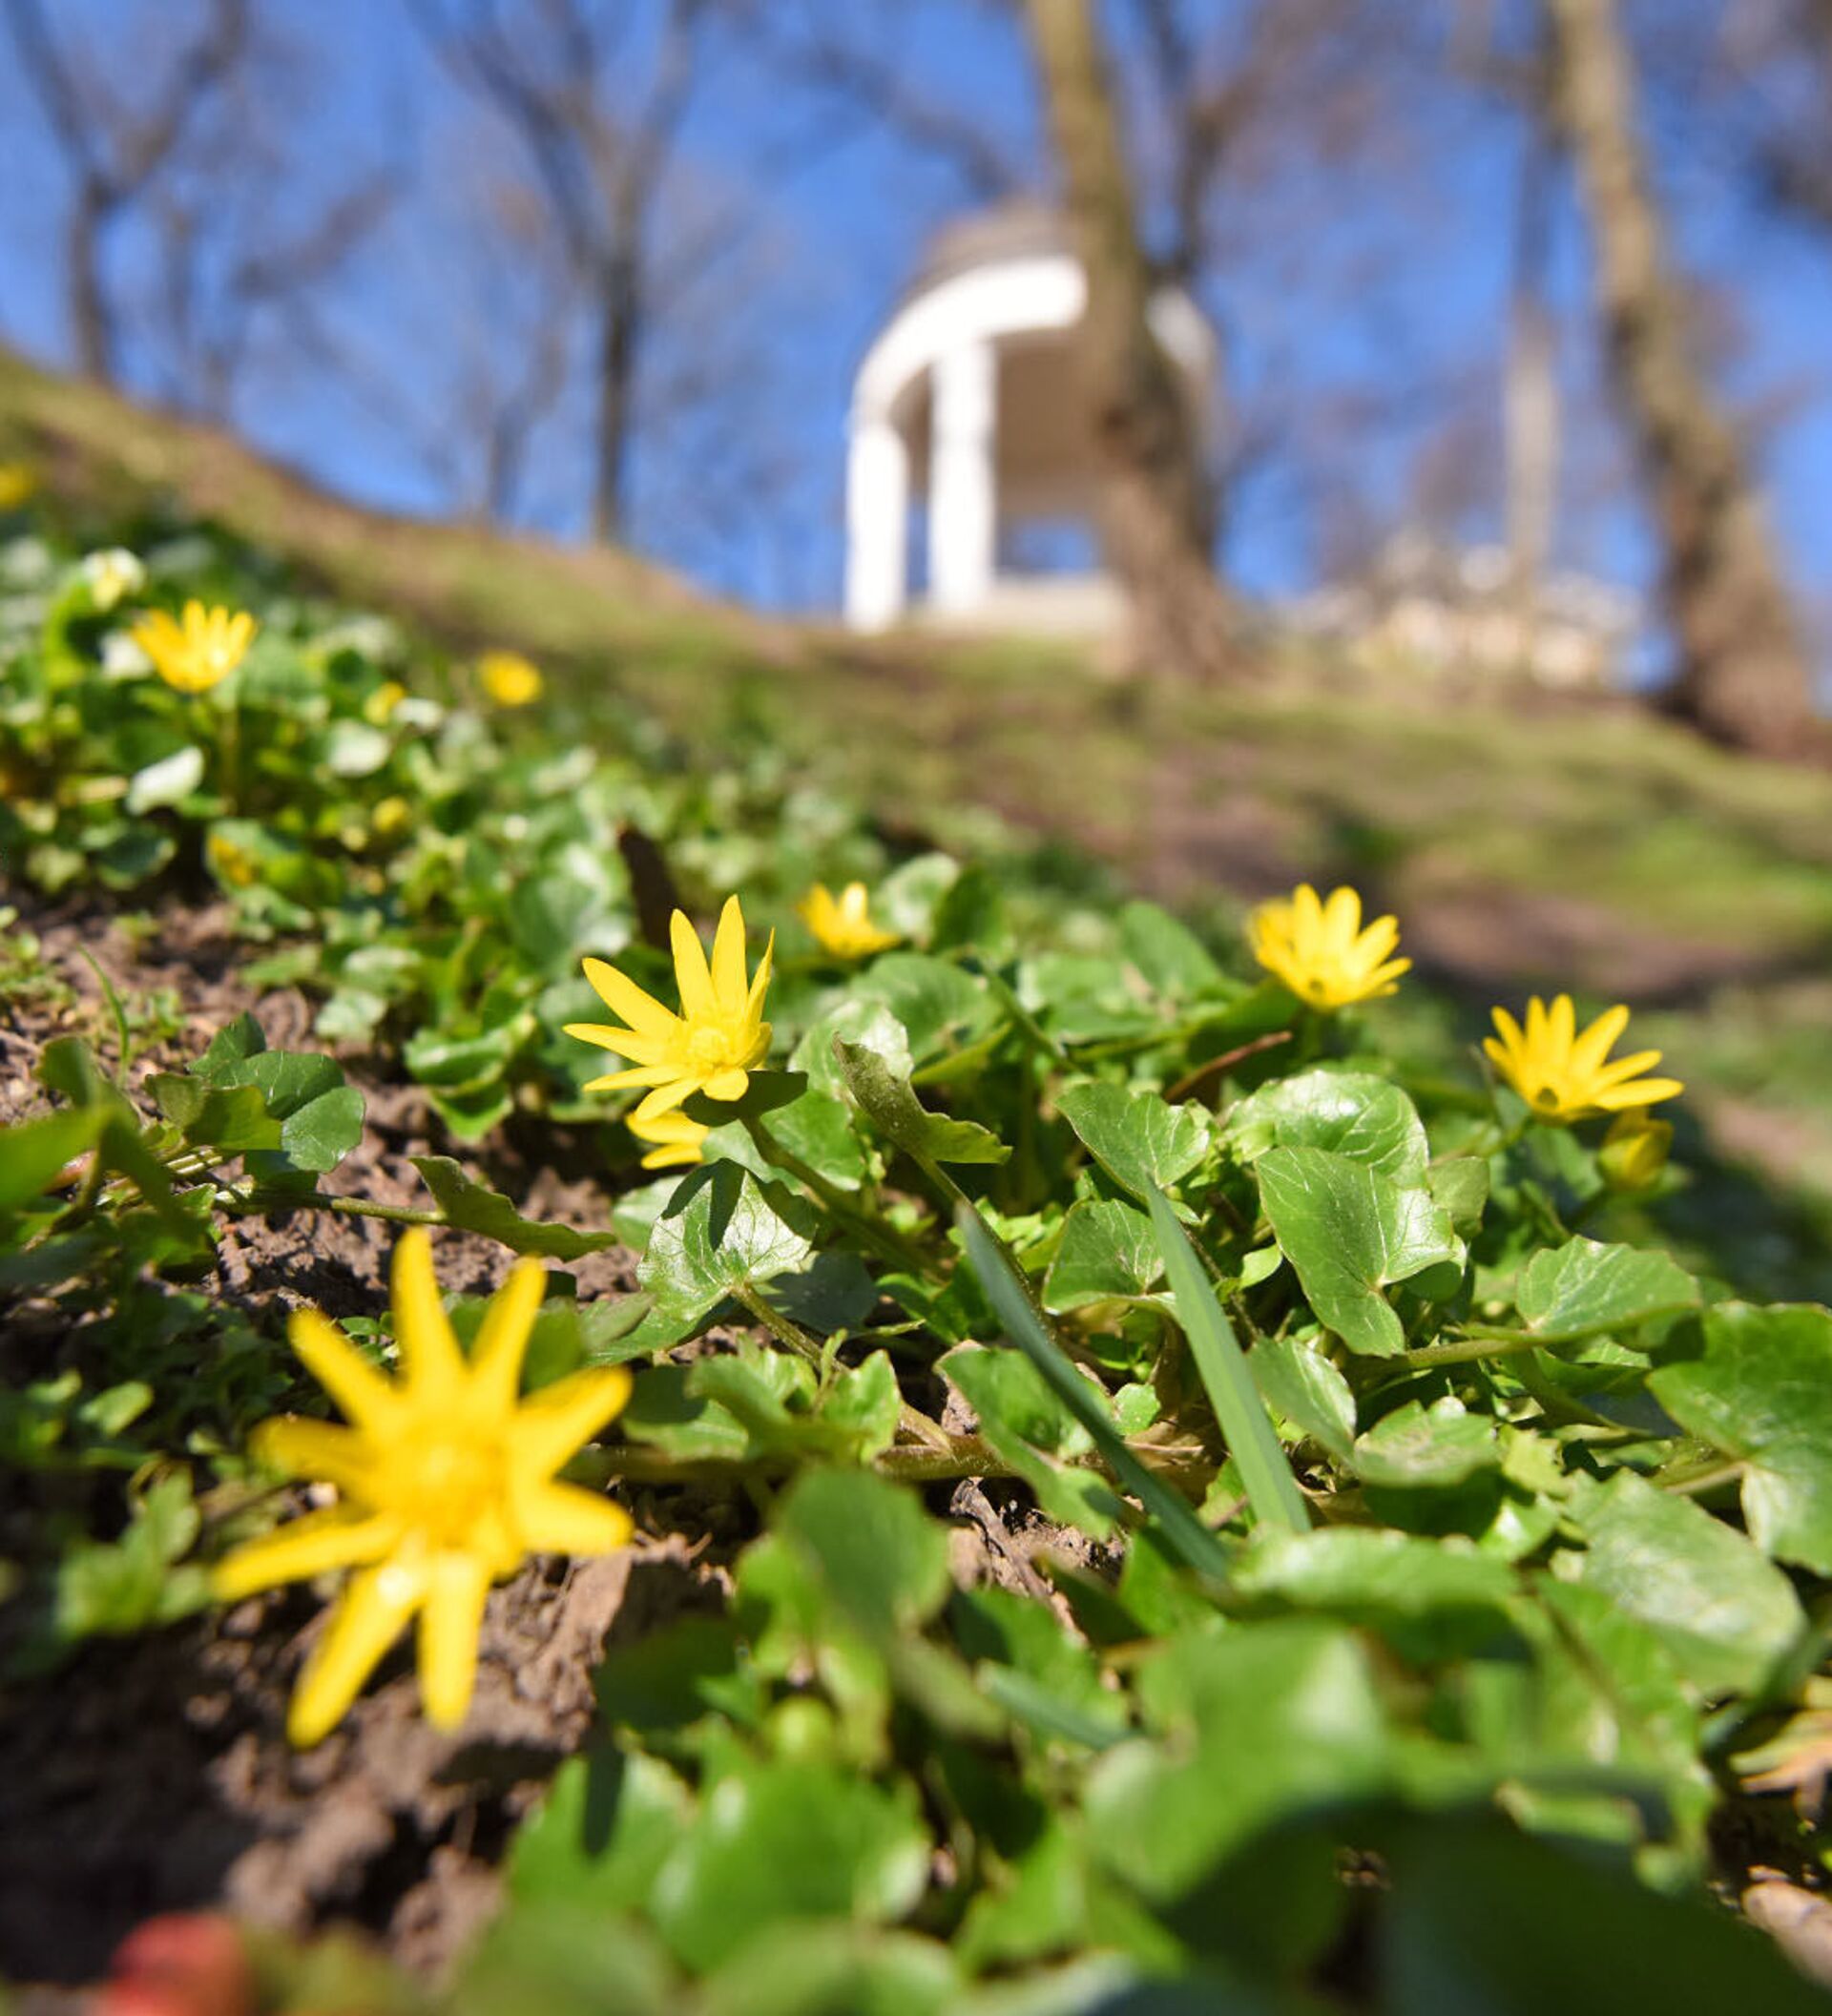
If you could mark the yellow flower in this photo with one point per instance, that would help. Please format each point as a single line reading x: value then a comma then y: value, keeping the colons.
x: 1634, y: 1150
x: 843, y: 927
x: 445, y: 1485
x: 509, y: 679
x: 19, y: 481
x: 1320, y: 951
x: 1565, y: 1077
x: 676, y: 1138
x: 378, y: 709
x: 112, y: 575
x: 712, y: 1045
x: 198, y: 653
x: 232, y: 862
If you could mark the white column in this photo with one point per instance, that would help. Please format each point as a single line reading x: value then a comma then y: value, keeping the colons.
x: 877, y: 524
x: 962, y: 497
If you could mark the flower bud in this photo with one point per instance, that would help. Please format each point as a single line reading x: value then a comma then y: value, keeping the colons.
x: 1634, y: 1152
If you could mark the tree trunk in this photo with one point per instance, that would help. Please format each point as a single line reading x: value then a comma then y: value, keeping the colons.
x: 619, y: 311
x: 91, y: 326
x: 1743, y: 674
x: 1530, y: 417
x: 1153, y: 499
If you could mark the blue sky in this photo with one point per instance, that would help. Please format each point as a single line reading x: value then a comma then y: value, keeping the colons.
x: 1360, y: 310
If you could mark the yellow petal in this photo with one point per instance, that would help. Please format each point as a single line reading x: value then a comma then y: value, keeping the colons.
x: 452, y: 1616
x: 317, y: 1450
x: 560, y: 1418
x: 692, y: 975
x: 728, y: 1084
x: 728, y: 958
x: 1561, y: 1024
x: 1590, y: 1049
x: 663, y: 1099
x: 761, y: 981
x: 562, y: 1519
x: 375, y: 1607
x: 363, y: 1394
x: 622, y: 996
x: 1343, y: 915
x: 502, y: 1337
x: 314, y: 1544
x: 638, y: 1075
x: 429, y: 1354
x: 1643, y: 1091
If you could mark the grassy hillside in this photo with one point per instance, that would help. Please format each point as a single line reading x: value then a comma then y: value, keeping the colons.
x: 1525, y: 842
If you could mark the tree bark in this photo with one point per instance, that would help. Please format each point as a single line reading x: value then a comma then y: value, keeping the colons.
x: 619, y: 312
x: 1153, y: 498
x: 92, y: 325
x: 1743, y: 674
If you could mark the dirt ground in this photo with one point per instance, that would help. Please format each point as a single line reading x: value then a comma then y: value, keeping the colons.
x: 152, y: 1774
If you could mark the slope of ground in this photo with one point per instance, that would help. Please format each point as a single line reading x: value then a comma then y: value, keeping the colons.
x: 1524, y: 840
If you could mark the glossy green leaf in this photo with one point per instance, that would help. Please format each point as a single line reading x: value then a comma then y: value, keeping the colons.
x: 1143, y: 1143
x: 1350, y: 1114
x: 894, y: 1110
x: 1106, y: 1254
x: 1763, y: 1393
x: 1583, y: 1288
x: 474, y: 1207
x: 1350, y: 1232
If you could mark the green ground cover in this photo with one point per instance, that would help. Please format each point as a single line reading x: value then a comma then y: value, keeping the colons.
x: 1426, y: 1522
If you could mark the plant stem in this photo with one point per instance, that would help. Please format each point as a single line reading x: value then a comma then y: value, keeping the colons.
x: 1472, y: 1346
x: 777, y: 1324
x: 885, y: 1239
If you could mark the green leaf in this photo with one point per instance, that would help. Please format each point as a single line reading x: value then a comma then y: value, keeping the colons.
x: 1350, y: 1114
x: 1349, y: 1231
x: 1763, y: 1393
x: 1426, y: 1448
x: 1272, y: 1490
x: 1303, y: 1385
x: 1460, y: 1184
x: 1581, y: 1288
x: 1255, y: 1726
x: 786, y: 1842
x: 1024, y: 1324
x: 1106, y: 1254
x: 167, y: 781
x: 894, y: 1110
x: 1142, y: 1143
x: 1029, y: 1428
x: 1720, y: 1606
x: 601, y: 1833
x: 835, y: 1969
x: 878, y: 1554
x: 1167, y: 953
x: 33, y: 1152
x: 718, y: 1232
x: 233, y: 1119
x: 1430, y: 1598
x: 942, y: 1007
x: 474, y: 1207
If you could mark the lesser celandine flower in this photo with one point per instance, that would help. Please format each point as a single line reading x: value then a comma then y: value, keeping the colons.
x: 843, y: 924
x: 714, y: 1043
x: 445, y: 1485
x: 1634, y: 1150
x: 675, y: 1140
x: 378, y: 709
x: 1566, y: 1076
x: 111, y: 576
x: 510, y: 679
x: 1320, y: 951
x: 200, y: 650
x: 19, y: 481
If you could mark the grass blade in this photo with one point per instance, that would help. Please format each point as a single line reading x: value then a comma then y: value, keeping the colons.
x: 1272, y: 1490
x: 1005, y: 1289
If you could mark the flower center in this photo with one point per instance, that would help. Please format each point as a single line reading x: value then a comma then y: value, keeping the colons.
x: 444, y: 1487
x: 708, y: 1048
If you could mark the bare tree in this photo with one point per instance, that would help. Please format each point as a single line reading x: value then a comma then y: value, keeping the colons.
x: 114, y: 148
x: 1743, y: 674
x: 1152, y: 505
x: 599, y: 155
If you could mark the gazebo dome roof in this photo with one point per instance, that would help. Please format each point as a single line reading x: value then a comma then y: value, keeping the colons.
x: 1025, y: 227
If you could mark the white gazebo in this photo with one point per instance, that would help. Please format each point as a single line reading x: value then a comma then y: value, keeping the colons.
x: 970, y: 398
